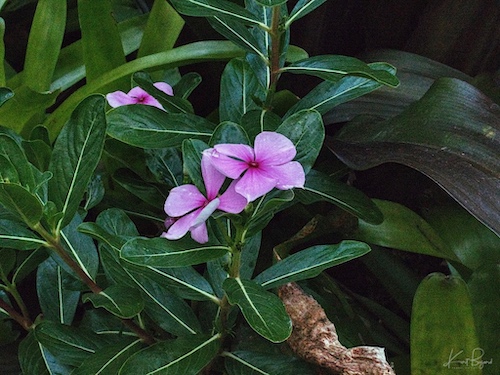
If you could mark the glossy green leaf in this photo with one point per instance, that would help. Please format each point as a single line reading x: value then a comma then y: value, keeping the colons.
x: 99, y: 54
x: 187, y: 84
x: 229, y: 132
x: 119, y: 300
x: 5, y: 94
x: 35, y: 359
x: 57, y: 302
x: 12, y: 152
x: 185, y: 355
x: 443, y: 335
x: 321, y: 187
x: 305, y: 129
x: 257, y: 121
x: 95, y: 192
x: 146, y: 191
x: 165, y: 164
x: 334, y: 67
x: 149, y: 127
x: 240, y: 88
x: 171, y: 104
x: 8, y: 257
x: 109, y: 359
x: 160, y: 252
x: 38, y: 153
x: 449, y: 135
x: 70, y: 345
x: 21, y: 203
x: 403, y: 229
x: 161, y: 17
x: 270, y: 3
x: 301, y: 8
x: 44, y: 44
x: 254, y: 363
x: 192, y: 150
x: 204, y: 8
x: 16, y: 236
x: 310, y: 262
x: 327, y: 95
x: 76, y: 154
x: 263, y: 310
x: 485, y: 299
x: 28, y: 264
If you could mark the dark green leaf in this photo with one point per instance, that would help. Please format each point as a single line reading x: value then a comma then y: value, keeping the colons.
x: 185, y: 355
x: 301, y: 8
x: 270, y: 3
x: 192, y: 150
x: 263, y: 310
x: 149, y: 127
x: 35, y: 359
x: 38, y: 153
x: 229, y: 132
x: 147, y: 192
x: 321, y: 187
x: 56, y: 301
x: 5, y: 94
x: 95, y: 192
x: 403, y: 229
x: 76, y: 154
x: 160, y: 252
x: 119, y: 300
x: 166, y: 165
x: 310, y: 263
x: 20, y: 202
x: 204, y: 8
x: 239, y: 90
x: 334, y: 67
x: 44, y: 44
x: 16, y: 236
x: 305, y: 129
x: 249, y: 255
x: 28, y: 264
x: 187, y: 84
x: 255, y: 122
x: 8, y: 257
x: 13, y: 154
x: 449, y: 135
x: 442, y: 327
x: 255, y: 363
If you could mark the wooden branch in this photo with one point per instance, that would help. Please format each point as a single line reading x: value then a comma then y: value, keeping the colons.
x: 314, y: 338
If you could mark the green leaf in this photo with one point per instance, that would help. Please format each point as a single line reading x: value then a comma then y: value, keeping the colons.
x: 70, y: 345
x: 38, y: 153
x: 108, y: 360
x: 36, y: 359
x: 205, y: 8
x: 322, y: 187
x: 301, y: 8
x: 165, y: 164
x: 149, y: 127
x: 100, y: 54
x: 20, y: 202
x: 146, y: 191
x: 95, y: 192
x: 484, y: 295
x: 119, y: 300
x: 44, y: 44
x: 5, y: 94
x: 263, y: 310
x: 16, y: 236
x: 403, y: 229
x: 187, y: 84
x: 76, y: 154
x: 305, y: 129
x: 449, y: 135
x: 270, y: 3
x: 255, y: 122
x: 192, y: 150
x: 254, y: 363
x: 28, y: 264
x: 310, y: 263
x: 229, y: 132
x: 7, y: 264
x: 13, y: 154
x: 443, y: 335
x: 160, y: 252
x: 240, y: 88
x: 334, y: 67
x: 185, y: 355
x: 327, y: 95
x: 57, y: 302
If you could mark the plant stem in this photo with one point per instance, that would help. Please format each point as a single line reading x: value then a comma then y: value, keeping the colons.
x: 12, y: 289
x: 275, y: 48
x: 25, y: 322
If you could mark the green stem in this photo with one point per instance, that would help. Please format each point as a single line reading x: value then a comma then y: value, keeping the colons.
x: 25, y: 322
x: 12, y: 289
x: 275, y: 51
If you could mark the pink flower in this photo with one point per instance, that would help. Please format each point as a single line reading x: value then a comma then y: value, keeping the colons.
x: 189, y: 208
x: 138, y: 96
x: 266, y: 166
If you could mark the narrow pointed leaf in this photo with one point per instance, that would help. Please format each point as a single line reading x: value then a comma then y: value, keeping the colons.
x: 334, y: 67
x: 310, y: 263
x: 44, y: 44
x: 443, y: 335
x: 263, y: 310
x: 160, y: 252
x: 302, y: 8
x: 204, y: 8
x: 15, y: 236
x: 119, y: 300
x: 76, y: 154
x: 185, y: 355
x: 149, y: 127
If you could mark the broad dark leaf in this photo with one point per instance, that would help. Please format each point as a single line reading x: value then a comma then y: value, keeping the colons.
x: 204, y: 8
x: 255, y: 363
x: 449, y: 135
x: 119, y: 300
x: 16, y: 236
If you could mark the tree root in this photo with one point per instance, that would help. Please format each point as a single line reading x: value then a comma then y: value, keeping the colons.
x: 314, y: 338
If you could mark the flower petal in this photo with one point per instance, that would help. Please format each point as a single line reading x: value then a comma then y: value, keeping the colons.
x: 290, y: 175
x: 182, y: 226
x: 255, y: 183
x: 227, y: 165
x: 183, y: 199
x: 206, y: 212
x: 165, y: 87
x: 200, y: 233
x: 119, y: 98
x: 140, y: 96
x: 212, y: 178
x: 231, y: 201
x: 272, y: 148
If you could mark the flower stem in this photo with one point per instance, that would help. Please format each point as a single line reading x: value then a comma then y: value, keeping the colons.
x: 275, y: 48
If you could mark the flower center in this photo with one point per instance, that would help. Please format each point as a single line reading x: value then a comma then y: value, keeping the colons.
x: 253, y: 164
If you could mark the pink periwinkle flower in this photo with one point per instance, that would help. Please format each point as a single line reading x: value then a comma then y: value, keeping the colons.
x: 138, y: 96
x: 260, y: 169
x: 188, y: 208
